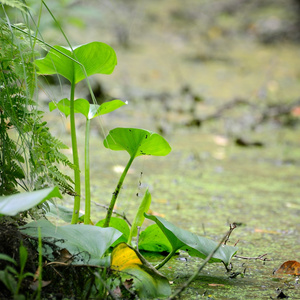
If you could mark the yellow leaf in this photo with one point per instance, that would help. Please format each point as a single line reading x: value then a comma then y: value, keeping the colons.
x: 123, y: 257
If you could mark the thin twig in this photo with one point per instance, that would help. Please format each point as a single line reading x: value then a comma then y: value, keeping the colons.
x: 231, y: 228
x: 114, y: 212
x: 260, y: 257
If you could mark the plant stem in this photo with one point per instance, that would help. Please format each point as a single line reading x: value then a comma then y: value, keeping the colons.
x: 167, y: 258
x: 75, y: 156
x: 116, y: 192
x: 40, y: 268
x: 87, y: 215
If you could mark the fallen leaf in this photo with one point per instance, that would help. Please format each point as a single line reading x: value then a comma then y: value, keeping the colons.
x: 290, y: 267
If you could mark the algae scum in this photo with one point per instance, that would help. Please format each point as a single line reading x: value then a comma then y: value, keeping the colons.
x: 241, y: 167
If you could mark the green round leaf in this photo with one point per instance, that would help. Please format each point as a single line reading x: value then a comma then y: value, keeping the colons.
x: 137, y: 142
x: 95, y: 57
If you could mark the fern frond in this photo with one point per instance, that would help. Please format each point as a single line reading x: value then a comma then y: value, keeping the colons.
x: 16, y: 4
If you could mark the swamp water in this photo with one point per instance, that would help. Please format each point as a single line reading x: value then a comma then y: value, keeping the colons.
x: 206, y: 183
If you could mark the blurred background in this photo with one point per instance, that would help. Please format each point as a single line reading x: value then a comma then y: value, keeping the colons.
x: 181, y: 64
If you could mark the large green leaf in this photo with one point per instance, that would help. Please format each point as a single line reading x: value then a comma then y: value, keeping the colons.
x: 137, y: 142
x: 195, y: 245
x: 82, y: 106
x: 87, y: 242
x: 148, y: 282
x: 95, y: 57
x: 152, y: 239
x: 16, y: 203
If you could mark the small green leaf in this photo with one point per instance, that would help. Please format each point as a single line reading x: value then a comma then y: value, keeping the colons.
x: 87, y: 243
x: 139, y: 217
x: 23, y: 257
x: 192, y: 243
x: 13, y: 204
x: 152, y: 239
x: 63, y: 105
x: 137, y: 142
x: 83, y: 107
x: 7, y: 258
x: 52, y: 106
x: 8, y: 280
x: 95, y: 57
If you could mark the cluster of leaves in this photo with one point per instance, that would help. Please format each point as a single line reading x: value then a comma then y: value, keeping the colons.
x: 29, y: 153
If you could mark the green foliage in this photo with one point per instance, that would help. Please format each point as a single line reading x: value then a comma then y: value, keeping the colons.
x: 136, y: 142
x: 29, y: 154
x: 82, y: 106
x: 195, y: 245
x: 16, y: 4
x: 152, y: 239
x: 12, y: 278
x: 78, y: 63
x: 139, y: 217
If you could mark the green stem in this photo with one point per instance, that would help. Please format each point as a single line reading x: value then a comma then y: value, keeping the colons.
x: 87, y: 215
x: 40, y: 250
x: 167, y: 258
x: 116, y: 192
x: 75, y: 157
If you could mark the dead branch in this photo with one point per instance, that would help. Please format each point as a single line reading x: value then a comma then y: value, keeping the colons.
x: 231, y: 228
